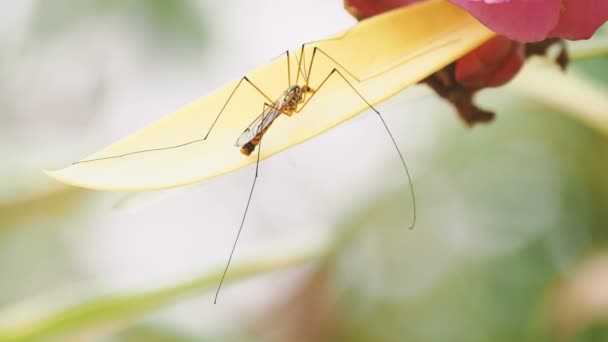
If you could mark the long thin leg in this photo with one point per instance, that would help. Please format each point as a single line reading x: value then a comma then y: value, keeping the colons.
x: 189, y: 142
x: 255, y: 178
x: 299, y: 72
x: 286, y: 53
x: 306, y: 75
x: 230, y: 97
x: 334, y: 71
x: 288, y: 69
x: 302, y: 60
x: 358, y: 79
x: 301, y: 66
x: 407, y: 172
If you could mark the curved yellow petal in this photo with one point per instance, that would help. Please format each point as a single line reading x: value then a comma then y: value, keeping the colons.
x: 396, y: 49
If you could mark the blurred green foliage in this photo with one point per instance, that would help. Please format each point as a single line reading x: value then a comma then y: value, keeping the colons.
x: 155, y: 334
x: 594, y: 68
x: 596, y: 332
x: 173, y: 24
x: 531, y: 192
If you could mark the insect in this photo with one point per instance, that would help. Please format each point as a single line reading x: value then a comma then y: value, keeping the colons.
x: 287, y: 104
x: 294, y: 99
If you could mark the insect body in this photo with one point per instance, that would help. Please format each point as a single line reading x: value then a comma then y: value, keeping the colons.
x: 286, y: 104
x: 293, y: 100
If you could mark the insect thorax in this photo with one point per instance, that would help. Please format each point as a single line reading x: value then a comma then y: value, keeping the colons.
x: 293, y: 96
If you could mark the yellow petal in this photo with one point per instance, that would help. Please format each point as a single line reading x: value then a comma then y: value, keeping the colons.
x: 399, y: 48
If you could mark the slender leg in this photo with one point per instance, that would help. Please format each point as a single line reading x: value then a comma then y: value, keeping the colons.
x: 301, y: 66
x: 298, y: 60
x: 288, y: 69
x: 302, y: 60
x: 189, y: 142
x: 337, y: 72
x: 230, y: 97
x: 306, y: 74
x: 255, y: 178
x: 286, y: 53
x: 358, y: 79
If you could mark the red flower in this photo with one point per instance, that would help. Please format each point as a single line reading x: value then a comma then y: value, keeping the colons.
x: 521, y: 20
x: 491, y: 65
x: 498, y: 60
x: 535, y: 20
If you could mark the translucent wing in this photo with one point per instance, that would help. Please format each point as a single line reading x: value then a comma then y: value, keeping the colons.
x: 258, y: 125
x: 250, y: 132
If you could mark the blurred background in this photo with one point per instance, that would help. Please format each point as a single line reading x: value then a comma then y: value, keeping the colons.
x: 511, y: 239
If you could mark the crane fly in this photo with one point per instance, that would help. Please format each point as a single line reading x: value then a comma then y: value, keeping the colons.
x: 287, y: 104
x: 293, y: 100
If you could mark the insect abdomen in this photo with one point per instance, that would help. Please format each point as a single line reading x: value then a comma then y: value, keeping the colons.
x: 250, y: 146
x: 247, y: 148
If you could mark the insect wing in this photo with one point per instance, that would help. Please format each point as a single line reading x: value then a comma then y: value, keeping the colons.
x: 258, y: 125
x: 248, y: 134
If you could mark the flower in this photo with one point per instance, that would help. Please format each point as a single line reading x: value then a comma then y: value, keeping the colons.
x: 524, y: 27
x: 536, y: 20
x: 491, y: 65
x: 520, y: 20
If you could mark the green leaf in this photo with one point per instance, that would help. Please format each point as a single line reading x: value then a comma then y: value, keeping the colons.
x: 91, y: 316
